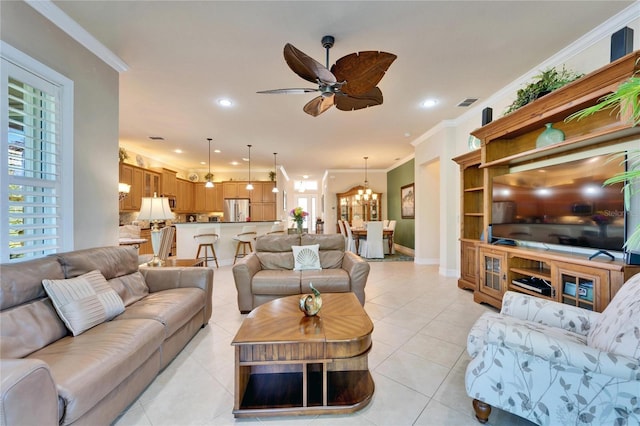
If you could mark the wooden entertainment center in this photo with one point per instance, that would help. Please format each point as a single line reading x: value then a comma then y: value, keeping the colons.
x: 489, y: 270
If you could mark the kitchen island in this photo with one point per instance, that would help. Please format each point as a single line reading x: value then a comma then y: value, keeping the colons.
x: 225, y: 247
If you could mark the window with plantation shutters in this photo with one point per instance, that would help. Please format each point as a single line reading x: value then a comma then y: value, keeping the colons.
x: 34, y: 212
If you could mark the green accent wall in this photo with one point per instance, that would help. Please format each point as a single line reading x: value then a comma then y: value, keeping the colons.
x: 405, y: 232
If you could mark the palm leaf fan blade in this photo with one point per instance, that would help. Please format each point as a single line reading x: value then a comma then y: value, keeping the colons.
x: 318, y: 105
x: 362, y: 71
x: 350, y: 103
x: 305, y: 66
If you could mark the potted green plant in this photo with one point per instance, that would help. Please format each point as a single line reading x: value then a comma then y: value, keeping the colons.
x: 545, y: 82
x: 272, y: 176
x: 122, y: 154
x: 625, y: 100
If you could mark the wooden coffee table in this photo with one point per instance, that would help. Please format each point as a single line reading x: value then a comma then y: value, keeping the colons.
x: 290, y: 364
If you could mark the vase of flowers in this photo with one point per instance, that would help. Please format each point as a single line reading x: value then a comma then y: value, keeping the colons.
x: 299, y: 217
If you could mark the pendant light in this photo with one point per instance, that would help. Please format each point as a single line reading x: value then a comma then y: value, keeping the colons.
x: 209, y: 183
x: 249, y: 186
x: 275, y: 170
x: 366, y: 193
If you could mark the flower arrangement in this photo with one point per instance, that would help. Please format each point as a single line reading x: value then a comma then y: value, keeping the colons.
x: 298, y: 216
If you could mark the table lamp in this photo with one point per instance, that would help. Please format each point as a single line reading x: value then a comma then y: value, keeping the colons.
x: 155, y: 209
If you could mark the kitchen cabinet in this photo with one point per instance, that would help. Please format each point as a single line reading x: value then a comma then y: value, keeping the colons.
x: 184, y: 196
x: 133, y: 176
x: 268, y: 196
x: 263, y: 211
x: 235, y: 189
x: 207, y: 200
x: 151, y: 183
x: 168, y: 183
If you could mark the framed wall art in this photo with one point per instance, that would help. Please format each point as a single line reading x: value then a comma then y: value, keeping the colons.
x: 407, y: 201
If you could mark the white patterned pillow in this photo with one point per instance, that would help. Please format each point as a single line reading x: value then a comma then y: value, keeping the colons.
x: 617, y: 329
x: 306, y: 257
x: 85, y: 301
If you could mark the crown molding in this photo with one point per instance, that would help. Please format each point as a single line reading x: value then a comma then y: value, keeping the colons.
x: 60, y: 19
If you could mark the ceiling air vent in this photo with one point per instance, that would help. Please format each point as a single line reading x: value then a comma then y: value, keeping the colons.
x: 156, y: 138
x: 467, y: 102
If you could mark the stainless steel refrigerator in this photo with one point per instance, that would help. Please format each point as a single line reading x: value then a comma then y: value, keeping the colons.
x: 236, y: 209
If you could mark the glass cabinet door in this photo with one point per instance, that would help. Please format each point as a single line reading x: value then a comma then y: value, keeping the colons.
x: 493, y: 275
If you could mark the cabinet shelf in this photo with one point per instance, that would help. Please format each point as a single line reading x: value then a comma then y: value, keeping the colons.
x: 474, y: 214
x: 544, y: 274
x: 518, y: 289
x: 475, y: 188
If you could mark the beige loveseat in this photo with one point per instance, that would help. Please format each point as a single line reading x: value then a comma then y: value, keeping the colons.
x: 268, y: 273
x: 50, y: 377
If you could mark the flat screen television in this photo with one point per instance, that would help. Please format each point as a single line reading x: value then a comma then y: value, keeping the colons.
x: 562, y: 204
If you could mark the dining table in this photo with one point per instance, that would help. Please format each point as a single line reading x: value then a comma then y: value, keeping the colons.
x: 361, y: 232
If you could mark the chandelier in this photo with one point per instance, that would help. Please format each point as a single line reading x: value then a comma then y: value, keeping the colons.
x: 365, y: 194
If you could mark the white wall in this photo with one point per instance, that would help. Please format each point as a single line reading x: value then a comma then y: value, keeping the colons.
x: 95, y: 164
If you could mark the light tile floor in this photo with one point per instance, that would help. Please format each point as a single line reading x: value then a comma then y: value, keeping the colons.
x: 418, y: 359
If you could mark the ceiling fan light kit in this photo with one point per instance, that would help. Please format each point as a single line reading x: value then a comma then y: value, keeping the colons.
x: 351, y: 84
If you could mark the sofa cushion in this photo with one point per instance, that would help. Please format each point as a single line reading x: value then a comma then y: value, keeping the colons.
x: 306, y: 257
x: 112, y: 262
x: 274, y: 251
x: 172, y: 308
x: 283, y: 282
x: 29, y: 327
x: 331, y: 248
x: 20, y: 284
x: 326, y: 281
x: 617, y: 329
x: 87, y: 367
x: 130, y: 288
x: 85, y: 301
x: 276, y: 260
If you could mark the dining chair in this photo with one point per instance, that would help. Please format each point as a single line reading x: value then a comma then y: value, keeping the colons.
x: 166, y: 241
x: 244, y: 239
x: 385, y: 223
x: 357, y: 222
x: 277, y: 228
x: 206, y: 239
x: 372, y: 247
x: 351, y: 243
x: 390, y: 227
x: 344, y: 234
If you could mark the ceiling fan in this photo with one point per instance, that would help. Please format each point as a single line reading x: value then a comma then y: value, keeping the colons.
x: 350, y: 85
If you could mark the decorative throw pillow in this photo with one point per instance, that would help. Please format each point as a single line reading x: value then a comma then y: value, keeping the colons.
x: 306, y: 257
x: 617, y: 329
x: 85, y: 301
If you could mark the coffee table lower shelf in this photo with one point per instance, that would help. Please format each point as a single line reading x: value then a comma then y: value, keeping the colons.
x: 276, y: 394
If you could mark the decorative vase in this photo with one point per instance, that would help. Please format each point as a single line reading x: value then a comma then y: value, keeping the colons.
x: 299, y: 227
x: 310, y: 304
x: 549, y: 136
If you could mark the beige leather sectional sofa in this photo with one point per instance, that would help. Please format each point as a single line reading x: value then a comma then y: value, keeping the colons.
x: 50, y: 377
x: 268, y: 273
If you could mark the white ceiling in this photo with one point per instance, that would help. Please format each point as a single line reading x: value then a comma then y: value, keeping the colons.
x: 183, y: 56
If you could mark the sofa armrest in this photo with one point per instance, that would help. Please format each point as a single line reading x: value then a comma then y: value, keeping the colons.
x: 243, y: 272
x: 559, y: 351
x: 159, y: 279
x: 548, y: 312
x: 358, y: 270
x: 29, y: 395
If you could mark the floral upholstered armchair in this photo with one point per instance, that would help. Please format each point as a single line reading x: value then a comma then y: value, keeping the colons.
x: 556, y: 364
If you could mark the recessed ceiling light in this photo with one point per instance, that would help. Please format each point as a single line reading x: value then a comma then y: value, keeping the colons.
x: 177, y: 151
x: 234, y: 163
x: 429, y: 103
x: 225, y: 102
x: 217, y: 151
x: 203, y: 163
x: 245, y: 159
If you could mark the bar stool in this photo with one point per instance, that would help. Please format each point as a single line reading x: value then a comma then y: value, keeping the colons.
x: 206, y: 238
x: 244, y: 239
